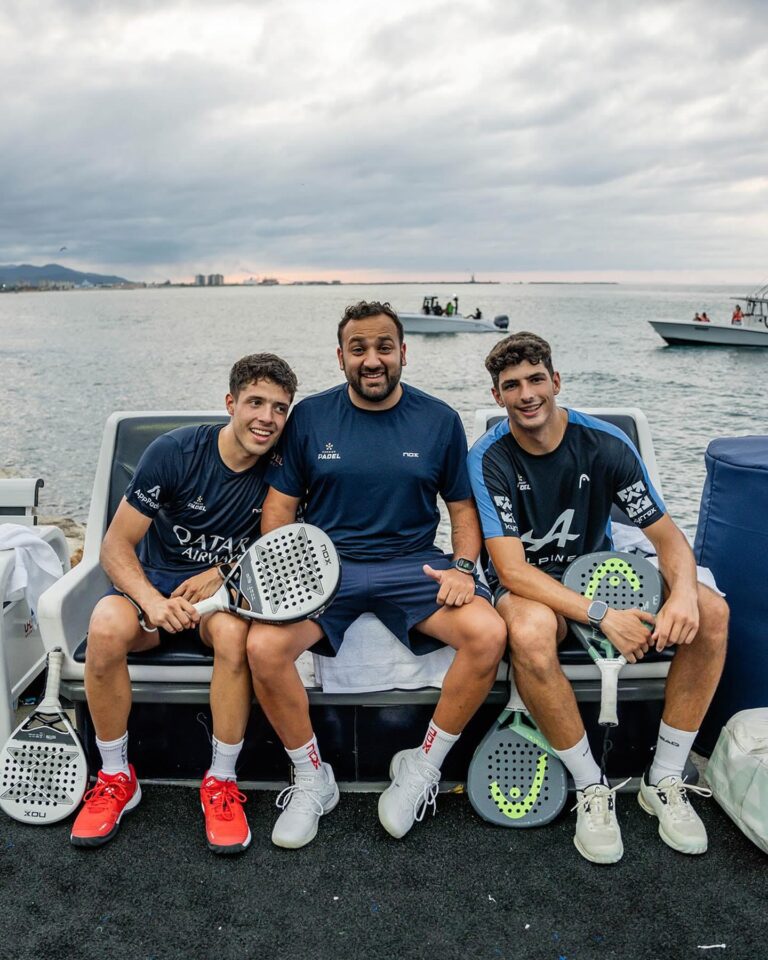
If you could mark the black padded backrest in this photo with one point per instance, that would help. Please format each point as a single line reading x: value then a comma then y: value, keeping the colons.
x: 620, y: 420
x: 133, y: 437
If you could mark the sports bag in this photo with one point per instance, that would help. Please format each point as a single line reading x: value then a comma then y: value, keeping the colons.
x: 738, y: 773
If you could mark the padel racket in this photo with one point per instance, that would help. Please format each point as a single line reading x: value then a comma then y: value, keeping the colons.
x: 515, y: 779
x: 623, y: 581
x: 285, y: 576
x: 43, y: 770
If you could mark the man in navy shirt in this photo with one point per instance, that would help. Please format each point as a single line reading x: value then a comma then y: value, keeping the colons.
x: 368, y: 460
x: 194, y: 503
x: 544, y: 480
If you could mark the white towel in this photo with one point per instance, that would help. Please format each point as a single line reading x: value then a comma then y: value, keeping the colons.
x: 631, y: 539
x: 36, y: 564
x: 372, y: 658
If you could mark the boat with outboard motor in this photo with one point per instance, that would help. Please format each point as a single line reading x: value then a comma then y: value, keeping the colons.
x: 434, y: 318
x: 745, y: 329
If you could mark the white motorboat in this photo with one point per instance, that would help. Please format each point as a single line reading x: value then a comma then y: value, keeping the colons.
x: 747, y: 329
x: 433, y: 318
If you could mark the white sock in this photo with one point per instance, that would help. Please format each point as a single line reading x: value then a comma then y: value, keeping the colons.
x: 224, y: 759
x: 581, y: 765
x: 306, y: 759
x: 672, y: 749
x: 437, y: 743
x: 114, y: 755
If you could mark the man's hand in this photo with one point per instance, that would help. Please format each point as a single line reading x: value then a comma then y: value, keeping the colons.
x: 199, y: 587
x: 678, y: 620
x: 173, y: 615
x: 629, y: 631
x: 456, y: 588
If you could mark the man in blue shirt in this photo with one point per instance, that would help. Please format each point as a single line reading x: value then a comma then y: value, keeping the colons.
x: 194, y: 503
x: 544, y: 480
x: 368, y: 460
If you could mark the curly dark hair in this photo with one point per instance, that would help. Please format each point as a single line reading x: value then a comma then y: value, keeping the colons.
x: 515, y: 349
x: 369, y: 308
x: 262, y: 366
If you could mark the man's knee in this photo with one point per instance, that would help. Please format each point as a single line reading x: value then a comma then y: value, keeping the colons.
x: 111, y: 635
x: 486, y: 638
x: 267, y: 650
x: 227, y: 635
x: 713, y: 622
x: 533, y: 638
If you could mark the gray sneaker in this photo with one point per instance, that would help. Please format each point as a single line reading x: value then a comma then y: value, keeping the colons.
x: 680, y: 827
x: 412, y: 792
x: 303, y: 803
x: 598, y: 837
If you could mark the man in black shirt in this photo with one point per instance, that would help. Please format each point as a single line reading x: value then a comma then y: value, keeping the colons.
x: 544, y: 480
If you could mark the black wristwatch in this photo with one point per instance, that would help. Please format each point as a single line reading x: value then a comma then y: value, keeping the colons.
x: 596, y: 612
x: 466, y: 566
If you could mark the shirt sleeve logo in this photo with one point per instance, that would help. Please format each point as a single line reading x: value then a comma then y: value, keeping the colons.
x: 635, y: 499
x: 504, y: 510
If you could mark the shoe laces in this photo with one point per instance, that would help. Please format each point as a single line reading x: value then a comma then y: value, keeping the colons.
x: 421, y: 787
x: 106, y: 792
x: 676, y: 799
x: 599, y: 805
x: 223, y: 798
x: 302, y: 795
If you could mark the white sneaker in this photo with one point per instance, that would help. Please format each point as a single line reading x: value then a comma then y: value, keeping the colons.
x: 303, y: 803
x: 598, y: 837
x: 680, y: 827
x: 412, y: 791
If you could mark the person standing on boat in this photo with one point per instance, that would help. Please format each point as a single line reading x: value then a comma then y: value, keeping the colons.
x: 544, y: 480
x: 704, y: 318
x: 193, y: 504
x: 368, y: 459
x: 449, y: 309
x: 738, y: 316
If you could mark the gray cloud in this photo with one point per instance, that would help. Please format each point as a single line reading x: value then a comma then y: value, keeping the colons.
x: 498, y: 137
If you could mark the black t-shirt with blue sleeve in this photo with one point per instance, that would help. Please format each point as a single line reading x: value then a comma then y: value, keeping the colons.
x: 370, y: 478
x: 203, y: 513
x: 559, y: 503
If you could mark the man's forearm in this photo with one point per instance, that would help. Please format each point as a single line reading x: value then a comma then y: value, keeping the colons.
x: 122, y: 566
x: 466, y: 538
x: 526, y: 581
x: 677, y: 563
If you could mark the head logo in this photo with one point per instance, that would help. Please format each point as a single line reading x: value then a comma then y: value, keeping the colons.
x: 584, y: 478
x: 516, y: 809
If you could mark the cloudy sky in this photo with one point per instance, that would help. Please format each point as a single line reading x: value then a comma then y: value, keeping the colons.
x: 517, y: 139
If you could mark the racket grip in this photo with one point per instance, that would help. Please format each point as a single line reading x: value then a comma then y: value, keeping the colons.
x: 50, y: 699
x: 212, y: 604
x: 609, y: 690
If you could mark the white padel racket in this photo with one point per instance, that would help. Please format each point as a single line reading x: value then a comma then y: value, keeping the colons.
x: 287, y: 575
x: 623, y: 581
x: 43, y: 770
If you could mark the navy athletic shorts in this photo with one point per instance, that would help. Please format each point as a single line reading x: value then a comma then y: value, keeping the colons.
x: 397, y: 591
x: 166, y: 583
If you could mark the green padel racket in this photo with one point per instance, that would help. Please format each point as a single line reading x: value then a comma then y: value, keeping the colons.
x: 623, y: 581
x: 515, y: 779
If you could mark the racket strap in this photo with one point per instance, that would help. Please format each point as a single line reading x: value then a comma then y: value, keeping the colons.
x: 607, y: 747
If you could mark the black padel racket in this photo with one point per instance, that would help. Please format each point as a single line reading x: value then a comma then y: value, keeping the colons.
x: 285, y: 576
x: 43, y: 770
x: 623, y: 581
x: 515, y: 779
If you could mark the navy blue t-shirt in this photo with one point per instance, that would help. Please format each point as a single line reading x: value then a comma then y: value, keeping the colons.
x: 203, y: 512
x: 370, y: 478
x: 559, y: 503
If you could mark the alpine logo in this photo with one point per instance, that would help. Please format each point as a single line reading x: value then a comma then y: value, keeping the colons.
x: 635, y: 499
x: 328, y: 453
x: 558, y: 533
x: 197, y: 505
x: 522, y: 483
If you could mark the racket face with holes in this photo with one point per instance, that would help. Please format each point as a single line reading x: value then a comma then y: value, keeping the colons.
x: 287, y: 575
x: 514, y: 779
x: 43, y: 770
x: 622, y: 580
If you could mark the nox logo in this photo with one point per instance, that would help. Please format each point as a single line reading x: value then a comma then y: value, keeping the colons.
x: 430, y: 739
x: 558, y: 533
x: 635, y: 499
x: 37, y: 814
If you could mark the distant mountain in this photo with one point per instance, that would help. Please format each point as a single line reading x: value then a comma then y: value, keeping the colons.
x: 52, y: 272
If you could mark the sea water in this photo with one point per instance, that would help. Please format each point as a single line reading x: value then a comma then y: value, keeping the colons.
x: 68, y: 359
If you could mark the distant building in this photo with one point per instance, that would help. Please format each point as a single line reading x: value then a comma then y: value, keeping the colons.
x: 269, y: 282
x: 199, y: 280
x: 215, y: 280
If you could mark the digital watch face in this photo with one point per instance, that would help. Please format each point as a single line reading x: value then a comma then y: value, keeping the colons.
x: 466, y: 566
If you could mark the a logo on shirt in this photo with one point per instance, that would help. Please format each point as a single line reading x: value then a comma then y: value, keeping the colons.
x: 148, y: 497
x: 328, y: 453
x: 584, y: 478
x: 635, y: 499
x: 409, y: 453
x: 522, y: 483
x: 558, y: 533
x: 276, y: 459
x: 504, y: 509
x: 197, y: 505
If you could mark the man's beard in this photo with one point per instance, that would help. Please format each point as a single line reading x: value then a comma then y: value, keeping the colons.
x: 374, y: 394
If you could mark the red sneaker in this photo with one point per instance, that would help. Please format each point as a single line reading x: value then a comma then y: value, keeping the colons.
x: 226, y: 828
x: 103, y: 808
